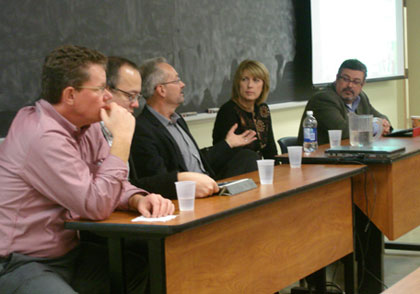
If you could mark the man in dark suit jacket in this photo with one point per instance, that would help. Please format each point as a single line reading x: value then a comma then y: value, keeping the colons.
x: 331, y: 105
x: 163, y: 149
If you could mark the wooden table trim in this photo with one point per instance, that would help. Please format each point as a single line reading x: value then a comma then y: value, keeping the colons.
x: 164, y: 229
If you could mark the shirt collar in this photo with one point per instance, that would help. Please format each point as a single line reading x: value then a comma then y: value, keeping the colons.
x: 174, y: 117
x: 49, y: 110
x: 354, y: 105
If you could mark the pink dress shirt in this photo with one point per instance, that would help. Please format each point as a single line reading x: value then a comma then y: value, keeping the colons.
x: 51, y: 171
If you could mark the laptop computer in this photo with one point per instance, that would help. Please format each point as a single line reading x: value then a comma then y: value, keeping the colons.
x: 412, y: 132
x: 372, y: 151
x: 400, y: 133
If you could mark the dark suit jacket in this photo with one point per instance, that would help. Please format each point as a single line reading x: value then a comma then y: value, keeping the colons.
x: 330, y: 112
x: 156, y: 157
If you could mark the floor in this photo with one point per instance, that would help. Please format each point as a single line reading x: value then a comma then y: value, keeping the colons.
x: 397, y: 263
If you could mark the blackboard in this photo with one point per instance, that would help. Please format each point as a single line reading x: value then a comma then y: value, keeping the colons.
x: 204, y: 40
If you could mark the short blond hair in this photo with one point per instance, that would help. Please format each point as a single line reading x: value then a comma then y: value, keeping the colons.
x: 256, y: 69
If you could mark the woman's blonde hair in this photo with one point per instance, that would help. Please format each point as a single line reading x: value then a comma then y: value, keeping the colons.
x: 256, y: 69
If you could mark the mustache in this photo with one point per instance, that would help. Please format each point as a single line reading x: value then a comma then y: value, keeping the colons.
x: 349, y: 89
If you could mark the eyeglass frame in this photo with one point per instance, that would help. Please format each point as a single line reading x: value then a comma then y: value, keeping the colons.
x: 131, y: 97
x: 100, y: 88
x: 178, y: 80
x: 348, y: 80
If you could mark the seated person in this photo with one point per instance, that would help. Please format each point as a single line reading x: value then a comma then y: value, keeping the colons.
x: 331, y: 105
x: 55, y: 165
x: 123, y: 80
x: 246, y: 108
x: 163, y: 149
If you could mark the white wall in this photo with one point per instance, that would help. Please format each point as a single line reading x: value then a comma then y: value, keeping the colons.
x: 413, y: 48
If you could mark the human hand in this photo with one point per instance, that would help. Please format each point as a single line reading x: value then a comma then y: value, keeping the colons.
x: 204, y: 185
x: 118, y: 121
x: 243, y: 139
x: 152, y: 205
x: 386, y: 127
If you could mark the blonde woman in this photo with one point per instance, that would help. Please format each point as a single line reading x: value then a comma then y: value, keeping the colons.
x: 248, y: 109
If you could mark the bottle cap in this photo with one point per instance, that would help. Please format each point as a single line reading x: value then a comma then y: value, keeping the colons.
x: 309, y: 112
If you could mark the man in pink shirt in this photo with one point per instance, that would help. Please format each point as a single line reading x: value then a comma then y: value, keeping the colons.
x: 54, y: 165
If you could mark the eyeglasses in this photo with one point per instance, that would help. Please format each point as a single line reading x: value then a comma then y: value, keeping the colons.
x: 131, y: 97
x: 172, y: 82
x: 348, y: 80
x: 101, y: 89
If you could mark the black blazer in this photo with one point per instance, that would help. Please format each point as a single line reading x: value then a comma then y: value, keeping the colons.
x: 156, y: 158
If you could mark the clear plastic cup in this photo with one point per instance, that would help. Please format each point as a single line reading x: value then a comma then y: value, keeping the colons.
x: 335, y: 138
x: 185, y: 191
x: 295, y: 156
x: 266, y: 171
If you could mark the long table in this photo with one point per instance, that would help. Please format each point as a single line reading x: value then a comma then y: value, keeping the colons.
x: 388, y: 195
x: 258, y: 241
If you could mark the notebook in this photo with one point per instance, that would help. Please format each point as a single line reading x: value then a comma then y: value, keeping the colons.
x: 365, y: 151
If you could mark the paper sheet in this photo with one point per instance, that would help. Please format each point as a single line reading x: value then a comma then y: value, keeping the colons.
x: 154, y: 219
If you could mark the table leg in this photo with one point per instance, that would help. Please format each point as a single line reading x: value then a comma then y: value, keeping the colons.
x: 157, y: 265
x: 369, y: 254
x: 350, y: 273
x: 116, y: 265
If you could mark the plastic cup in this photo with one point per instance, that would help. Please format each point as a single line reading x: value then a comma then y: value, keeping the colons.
x: 185, y: 191
x: 266, y: 171
x: 335, y: 138
x: 295, y: 156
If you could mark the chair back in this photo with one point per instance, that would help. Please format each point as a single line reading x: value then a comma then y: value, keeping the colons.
x: 6, y: 118
x: 286, y: 141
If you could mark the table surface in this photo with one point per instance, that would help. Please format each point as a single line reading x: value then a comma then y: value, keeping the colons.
x: 286, y: 182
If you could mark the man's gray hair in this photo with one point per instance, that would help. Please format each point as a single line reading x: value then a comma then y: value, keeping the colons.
x: 151, y: 75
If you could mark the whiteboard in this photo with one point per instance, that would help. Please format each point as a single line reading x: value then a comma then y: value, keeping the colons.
x: 370, y: 31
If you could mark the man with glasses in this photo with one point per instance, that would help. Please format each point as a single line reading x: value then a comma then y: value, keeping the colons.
x: 56, y: 165
x: 124, y: 82
x: 331, y: 105
x: 163, y: 149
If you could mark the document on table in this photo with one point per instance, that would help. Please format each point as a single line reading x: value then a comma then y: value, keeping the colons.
x: 154, y: 219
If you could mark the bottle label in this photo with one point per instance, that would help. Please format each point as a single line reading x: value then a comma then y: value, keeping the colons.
x: 310, y: 135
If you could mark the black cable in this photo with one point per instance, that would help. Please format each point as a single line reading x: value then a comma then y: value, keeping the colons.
x: 376, y: 278
x: 334, y: 285
x: 366, y: 200
x: 334, y: 273
x: 375, y: 194
x: 362, y: 275
x: 366, y: 230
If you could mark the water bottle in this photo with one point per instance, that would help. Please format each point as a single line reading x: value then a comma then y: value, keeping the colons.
x: 310, y: 136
